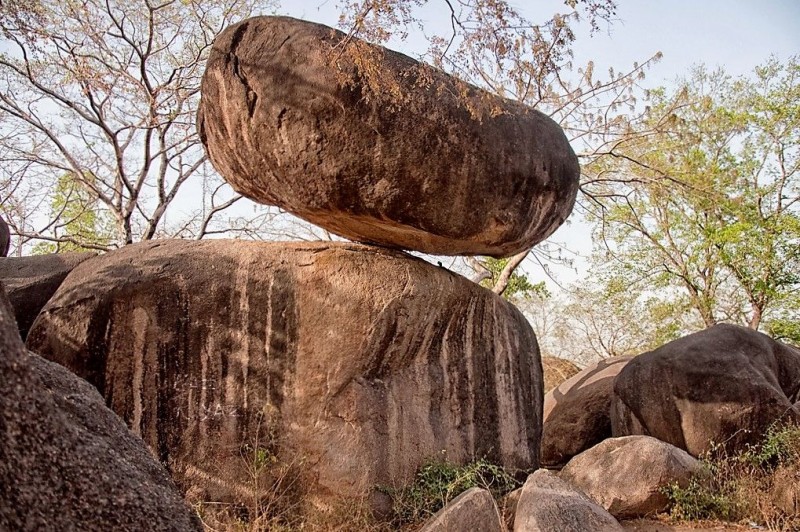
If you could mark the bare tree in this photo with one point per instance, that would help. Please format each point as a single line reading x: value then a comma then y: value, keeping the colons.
x: 104, y: 93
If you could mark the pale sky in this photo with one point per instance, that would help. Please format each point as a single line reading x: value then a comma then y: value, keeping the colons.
x: 734, y: 34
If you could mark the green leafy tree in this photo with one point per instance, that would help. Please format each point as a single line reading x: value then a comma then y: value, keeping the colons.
x: 709, y: 202
x: 78, y: 223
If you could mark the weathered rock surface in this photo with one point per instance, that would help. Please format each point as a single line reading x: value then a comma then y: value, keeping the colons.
x: 361, y: 362
x: 66, y: 461
x: 474, y: 509
x: 5, y: 238
x: 576, y: 413
x: 508, y: 507
x: 548, y: 503
x: 31, y: 281
x: 625, y: 475
x: 282, y: 126
x: 725, y: 384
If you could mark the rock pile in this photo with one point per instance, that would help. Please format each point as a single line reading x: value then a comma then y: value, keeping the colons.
x: 359, y: 362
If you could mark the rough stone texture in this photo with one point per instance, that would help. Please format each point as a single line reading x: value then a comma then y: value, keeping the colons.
x: 282, y: 127
x: 548, y: 503
x: 66, y: 461
x: 508, y: 507
x: 725, y: 384
x: 625, y: 475
x: 576, y: 413
x: 786, y: 489
x: 5, y: 238
x: 474, y: 509
x: 362, y: 362
x: 557, y: 370
x: 31, y: 281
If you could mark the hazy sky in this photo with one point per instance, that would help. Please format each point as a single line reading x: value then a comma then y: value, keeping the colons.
x: 734, y: 34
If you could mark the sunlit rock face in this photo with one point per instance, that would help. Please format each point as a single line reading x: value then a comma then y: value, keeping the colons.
x: 357, y: 362
x: 388, y: 152
x: 722, y: 386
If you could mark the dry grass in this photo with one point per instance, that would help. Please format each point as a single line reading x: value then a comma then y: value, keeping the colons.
x: 744, y: 487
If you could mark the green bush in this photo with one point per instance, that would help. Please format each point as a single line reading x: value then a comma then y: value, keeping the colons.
x: 439, y: 481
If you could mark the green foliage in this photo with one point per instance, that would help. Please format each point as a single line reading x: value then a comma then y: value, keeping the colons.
x: 781, y: 444
x: 697, y: 502
x: 704, y: 200
x: 439, y: 481
x: 519, y: 286
x: 81, y: 225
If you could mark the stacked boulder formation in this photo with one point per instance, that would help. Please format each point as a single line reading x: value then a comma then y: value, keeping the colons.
x: 359, y: 362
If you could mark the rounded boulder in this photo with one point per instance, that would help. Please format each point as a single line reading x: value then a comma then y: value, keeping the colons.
x: 377, y: 147
x: 354, y: 363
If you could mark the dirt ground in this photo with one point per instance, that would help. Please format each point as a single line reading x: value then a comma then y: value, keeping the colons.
x: 655, y: 525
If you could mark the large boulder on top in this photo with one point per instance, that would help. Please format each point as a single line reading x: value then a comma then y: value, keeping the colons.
x: 627, y: 475
x: 31, y: 281
x: 66, y: 461
x: 576, y: 413
x: 723, y: 385
x: 357, y: 362
x: 421, y: 161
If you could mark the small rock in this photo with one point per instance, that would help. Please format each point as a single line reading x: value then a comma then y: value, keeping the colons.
x: 474, y: 509
x: 5, y: 238
x: 576, y: 412
x: 626, y: 475
x: 31, y: 281
x: 548, y: 503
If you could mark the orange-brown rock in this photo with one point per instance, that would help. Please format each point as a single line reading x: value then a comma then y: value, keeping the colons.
x: 67, y: 462
x: 724, y: 385
x: 289, y: 121
x: 356, y: 362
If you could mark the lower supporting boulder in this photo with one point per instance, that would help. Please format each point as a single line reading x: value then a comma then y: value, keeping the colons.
x: 357, y: 362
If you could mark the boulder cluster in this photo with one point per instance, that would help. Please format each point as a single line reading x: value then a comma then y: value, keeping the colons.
x: 180, y: 369
x: 358, y: 362
x: 624, y: 428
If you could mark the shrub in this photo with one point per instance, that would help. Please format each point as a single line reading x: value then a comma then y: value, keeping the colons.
x: 739, y: 487
x: 439, y: 481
